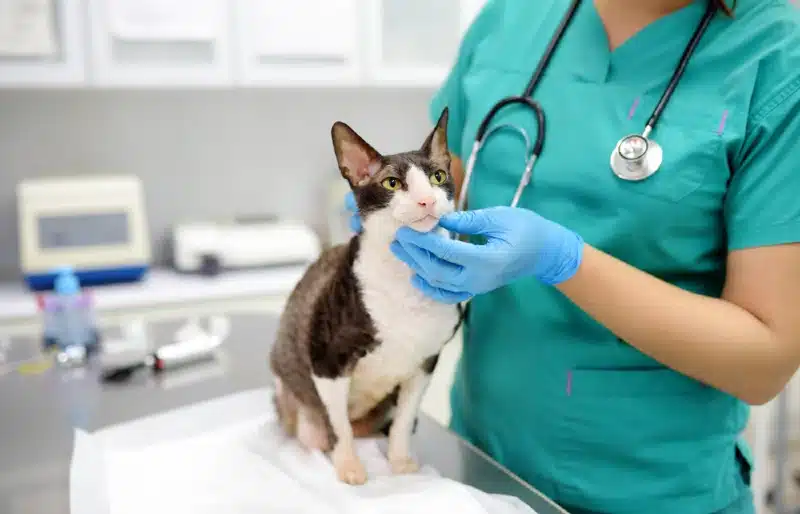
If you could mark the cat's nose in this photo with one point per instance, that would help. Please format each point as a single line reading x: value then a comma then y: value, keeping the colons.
x: 428, y: 201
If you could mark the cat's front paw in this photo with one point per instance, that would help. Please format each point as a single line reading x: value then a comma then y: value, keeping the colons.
x: 349, y: 469
x: 403, y: 465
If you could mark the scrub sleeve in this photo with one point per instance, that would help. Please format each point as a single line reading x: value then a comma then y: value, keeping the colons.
x: 763, y: 201
x: 762, y: 206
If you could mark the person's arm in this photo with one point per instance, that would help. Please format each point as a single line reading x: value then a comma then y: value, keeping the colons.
x: 747, y: 343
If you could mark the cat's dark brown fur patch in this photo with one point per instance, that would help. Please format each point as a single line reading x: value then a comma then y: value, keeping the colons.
x: 342, y: 329
x: 327, y: 329
x: 430, y: 364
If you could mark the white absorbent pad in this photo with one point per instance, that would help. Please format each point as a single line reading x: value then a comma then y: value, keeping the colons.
x: 229, y: 456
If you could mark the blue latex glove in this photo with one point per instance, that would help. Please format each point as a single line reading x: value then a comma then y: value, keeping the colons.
x: 355, y: 219
x: 519, y: 243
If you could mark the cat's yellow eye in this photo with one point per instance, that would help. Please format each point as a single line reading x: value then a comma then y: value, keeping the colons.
x: 391, y: 183
x: 438, y: 177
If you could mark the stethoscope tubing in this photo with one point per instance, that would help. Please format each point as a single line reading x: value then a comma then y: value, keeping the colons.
x: 681, y: 67
x: 525, y: 100
x: 483, y: 133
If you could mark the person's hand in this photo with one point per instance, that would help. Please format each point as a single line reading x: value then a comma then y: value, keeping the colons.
x: 355, y: 219
x: 519, y: 243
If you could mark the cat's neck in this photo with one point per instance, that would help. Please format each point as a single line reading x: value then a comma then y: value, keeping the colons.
x: 376, y: 266
x: 378, y: 233
x: 375, y: 248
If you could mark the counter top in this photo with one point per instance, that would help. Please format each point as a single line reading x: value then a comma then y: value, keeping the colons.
x: 163, y: 286
x: 41, y: 410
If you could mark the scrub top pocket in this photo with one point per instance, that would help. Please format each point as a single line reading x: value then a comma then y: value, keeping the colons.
x: 689, y: 132
x: 689, y: 155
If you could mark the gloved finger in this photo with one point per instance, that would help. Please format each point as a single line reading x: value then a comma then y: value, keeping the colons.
x: 438, y: 294
x: 468, y: 222
x: 437, y: 272
x: 355, y: 223
x: 401, y: 253
x: 446, y: 249
x: 350, y: 202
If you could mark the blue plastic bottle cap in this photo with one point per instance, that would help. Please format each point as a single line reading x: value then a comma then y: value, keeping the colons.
x: 66, y: 282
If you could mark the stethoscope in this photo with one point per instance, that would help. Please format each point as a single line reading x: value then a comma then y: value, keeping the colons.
x: 635, y: 157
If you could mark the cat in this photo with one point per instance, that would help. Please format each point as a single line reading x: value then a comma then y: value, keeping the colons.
x: 357, y: 342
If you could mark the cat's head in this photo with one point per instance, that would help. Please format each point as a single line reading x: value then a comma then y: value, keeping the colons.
x: 411, y: 188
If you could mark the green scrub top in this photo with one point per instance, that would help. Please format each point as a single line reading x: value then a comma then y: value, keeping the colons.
x: 542, y: 387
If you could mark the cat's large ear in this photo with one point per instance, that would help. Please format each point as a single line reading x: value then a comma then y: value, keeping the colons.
x: 358, y: 161
x: 435, y: 146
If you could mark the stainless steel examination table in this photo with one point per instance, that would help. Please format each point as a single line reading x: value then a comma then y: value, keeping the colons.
x: 40, y: 409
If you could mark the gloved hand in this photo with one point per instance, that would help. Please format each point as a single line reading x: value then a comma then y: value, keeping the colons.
x: 519, y: 243
x: 355, y: 219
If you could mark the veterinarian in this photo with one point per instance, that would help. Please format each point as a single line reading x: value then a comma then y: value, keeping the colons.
x: 619, y: 328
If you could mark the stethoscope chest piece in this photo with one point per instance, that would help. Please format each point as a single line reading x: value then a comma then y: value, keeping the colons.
x: 636, y: 157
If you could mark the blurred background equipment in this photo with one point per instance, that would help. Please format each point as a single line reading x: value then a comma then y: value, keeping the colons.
x: 95, y: 225
x: 68, y: 319
x: 191, y: 344
x: 212, y: 247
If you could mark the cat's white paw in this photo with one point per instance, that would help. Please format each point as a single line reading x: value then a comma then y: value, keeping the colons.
x: 403, y: 465
x: 349, y: 469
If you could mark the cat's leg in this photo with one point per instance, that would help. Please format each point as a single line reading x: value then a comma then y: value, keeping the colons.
x: 311, y: 431
x: 285, y: 408
x: 376, y: 421
x: 408, y: 402
x: 334, y: 393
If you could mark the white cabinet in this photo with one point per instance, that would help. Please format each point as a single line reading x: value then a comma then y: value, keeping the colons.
x: 415, y: 42
x: 297, y: 42
x: 227, y: 43
x: 160, y: 42
x: 41, y: 43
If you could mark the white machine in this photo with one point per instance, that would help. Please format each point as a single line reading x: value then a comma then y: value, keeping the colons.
x: 210, y: 247
x: 95, y: 225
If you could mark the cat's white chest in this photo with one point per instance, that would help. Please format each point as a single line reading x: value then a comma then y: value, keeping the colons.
x: 410, y: 327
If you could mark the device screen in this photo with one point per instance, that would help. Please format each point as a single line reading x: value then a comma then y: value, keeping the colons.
x: 104, y: 229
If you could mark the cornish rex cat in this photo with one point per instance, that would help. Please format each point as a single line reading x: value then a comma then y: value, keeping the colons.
x: 357, y: 341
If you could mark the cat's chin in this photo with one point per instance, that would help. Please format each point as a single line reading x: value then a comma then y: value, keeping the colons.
x: 425, y: 224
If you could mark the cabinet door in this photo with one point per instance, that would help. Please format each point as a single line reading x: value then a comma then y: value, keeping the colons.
x: 159, y: 42
x: 297, y: 42
x: 414, y: 42
x: 41, y: 43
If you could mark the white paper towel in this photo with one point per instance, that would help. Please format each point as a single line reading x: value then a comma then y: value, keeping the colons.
x: 228, y: 455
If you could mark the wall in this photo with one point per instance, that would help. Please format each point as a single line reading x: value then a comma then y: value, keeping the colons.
x: 199, y: 153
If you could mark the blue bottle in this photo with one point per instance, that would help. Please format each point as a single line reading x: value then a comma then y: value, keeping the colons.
x: 69, y: 320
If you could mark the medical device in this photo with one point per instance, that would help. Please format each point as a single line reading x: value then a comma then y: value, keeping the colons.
x: 212, y: 247
x: 635, y: 156
x: 192, y: 345
x: 95, y: 225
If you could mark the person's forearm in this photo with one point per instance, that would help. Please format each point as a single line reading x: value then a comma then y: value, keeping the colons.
x: 709, y: 339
